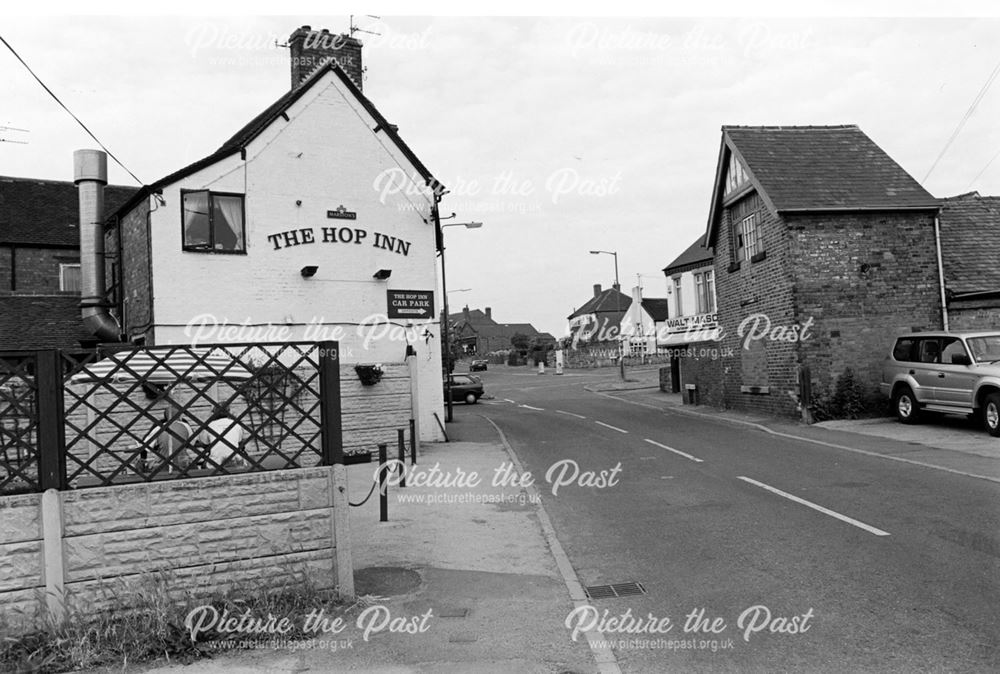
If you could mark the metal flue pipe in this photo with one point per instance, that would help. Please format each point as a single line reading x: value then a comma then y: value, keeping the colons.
x: 90, y: 174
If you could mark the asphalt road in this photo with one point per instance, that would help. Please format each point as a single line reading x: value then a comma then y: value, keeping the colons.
x: 863, y: 564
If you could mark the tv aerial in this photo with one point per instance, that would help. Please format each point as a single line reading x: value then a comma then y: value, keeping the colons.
x: 4, y: 129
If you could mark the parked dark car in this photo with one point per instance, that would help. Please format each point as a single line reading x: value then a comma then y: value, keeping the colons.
x: 479, y: 365
x: 465, y: 387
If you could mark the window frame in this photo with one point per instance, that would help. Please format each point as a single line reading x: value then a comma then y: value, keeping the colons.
x: 210, y: 248
x: 62, y: 277
x: 678, y: 304
x: 750, y: 237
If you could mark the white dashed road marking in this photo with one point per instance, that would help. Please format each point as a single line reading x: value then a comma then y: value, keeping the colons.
x: 529, y: 407
x: 825, y: 511
x: 675, y: 451
x: 614, y: 428
x: 572, y: 414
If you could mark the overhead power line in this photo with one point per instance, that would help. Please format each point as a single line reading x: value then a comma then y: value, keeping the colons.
x: 63, y: 105
x: 965, y: 118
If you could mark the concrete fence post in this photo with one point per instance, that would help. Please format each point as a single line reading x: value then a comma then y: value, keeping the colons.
x: 53, y: 557
x: 340, y: 499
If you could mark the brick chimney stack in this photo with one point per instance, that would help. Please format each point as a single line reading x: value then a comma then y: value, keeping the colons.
x: 489, y: 313
x: 312, y: 48
x: 597, y: 289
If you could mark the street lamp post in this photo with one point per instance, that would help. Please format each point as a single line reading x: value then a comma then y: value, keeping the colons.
x: 446, y: 328
x: 618, y: 310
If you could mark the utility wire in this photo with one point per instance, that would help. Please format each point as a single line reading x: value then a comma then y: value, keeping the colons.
x: 63, y: 105
x: 968, y: 114
x: 988, y: 164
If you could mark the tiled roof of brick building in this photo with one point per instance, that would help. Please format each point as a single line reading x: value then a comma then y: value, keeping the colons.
x: 970, y: 243
x: 36, y: 212
x: 43, y: 322
x: 607, y: 300
x: 695, y: 254
x: 824, y: 167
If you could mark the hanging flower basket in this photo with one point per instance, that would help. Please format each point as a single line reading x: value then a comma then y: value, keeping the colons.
x: 369, y: 375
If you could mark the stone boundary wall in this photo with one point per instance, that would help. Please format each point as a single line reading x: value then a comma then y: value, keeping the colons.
x: 202, y: 536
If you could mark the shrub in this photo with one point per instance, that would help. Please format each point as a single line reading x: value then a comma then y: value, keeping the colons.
x: 849, y: 398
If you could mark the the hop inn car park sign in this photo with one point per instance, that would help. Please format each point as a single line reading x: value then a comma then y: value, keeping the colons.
x: 413, y: 304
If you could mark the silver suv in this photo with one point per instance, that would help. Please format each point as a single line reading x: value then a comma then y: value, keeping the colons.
x: 950, y: 372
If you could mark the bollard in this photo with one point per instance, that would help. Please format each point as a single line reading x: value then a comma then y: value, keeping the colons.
x: 401, y: 438
x: 413, y: 442
x: 383, y: 496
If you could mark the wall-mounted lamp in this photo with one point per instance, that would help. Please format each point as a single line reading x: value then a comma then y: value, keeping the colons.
x: 382, y: 274
x: 309, y: 271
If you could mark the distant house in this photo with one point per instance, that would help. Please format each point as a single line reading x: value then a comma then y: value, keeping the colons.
x: 476, y: 333
x: 40, y: 263
x: 645, y: 318
x: 824, y: 249
x: 600, y: 317
x: 970, y: 250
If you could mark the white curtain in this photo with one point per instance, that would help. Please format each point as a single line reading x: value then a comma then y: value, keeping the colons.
x: 231, y: 211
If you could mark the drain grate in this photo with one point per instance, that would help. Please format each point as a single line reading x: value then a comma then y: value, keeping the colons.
x: 614, y: 590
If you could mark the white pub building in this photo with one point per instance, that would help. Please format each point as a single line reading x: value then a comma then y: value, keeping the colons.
x: 314, y: 221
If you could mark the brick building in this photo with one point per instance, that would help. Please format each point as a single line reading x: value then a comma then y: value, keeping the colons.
x: 970, y: 250
x: 824, y: 248
x: 40, y: 262
x: 476, y: 333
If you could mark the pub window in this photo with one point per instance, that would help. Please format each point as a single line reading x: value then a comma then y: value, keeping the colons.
x: 69, y: 278
x: 213, y: 222
x: 705, y: 292
x: 677, y: 296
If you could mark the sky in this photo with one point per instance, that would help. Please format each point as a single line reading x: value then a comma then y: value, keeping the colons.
x: 560, y: 134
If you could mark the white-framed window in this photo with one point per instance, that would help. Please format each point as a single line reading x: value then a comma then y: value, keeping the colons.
x: 748, y: 233
x: 69, y: 277
x: 678, y: 305
x: 704, y: 285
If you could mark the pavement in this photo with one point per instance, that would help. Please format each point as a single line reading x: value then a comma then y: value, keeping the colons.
x: 476, y: 557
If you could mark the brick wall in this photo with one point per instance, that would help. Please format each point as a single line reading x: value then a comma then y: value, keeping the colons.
x: 849, y: 281
x: 763, y: 287
x: 203, y: 536
x: 137, y: 277
x: 35, y: 270
x: 862, y: 278
x: 974, y: 315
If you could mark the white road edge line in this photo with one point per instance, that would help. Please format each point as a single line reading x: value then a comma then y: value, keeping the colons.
x: 508, y: 400
x: 614, y: 428
x: 607, y: 663
x: 675, y: 451
x: 826, y: 511
x: 822, y: 443
x: 572, y: 414
x: 529, y: 407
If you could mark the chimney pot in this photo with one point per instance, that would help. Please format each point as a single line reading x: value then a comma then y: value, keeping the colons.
x: 597, y: 289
